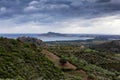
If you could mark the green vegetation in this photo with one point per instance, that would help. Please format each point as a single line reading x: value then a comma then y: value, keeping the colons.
x: 24, y: 61
x: 91, y: 61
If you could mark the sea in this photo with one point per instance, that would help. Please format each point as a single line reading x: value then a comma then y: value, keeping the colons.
x: 45, y: 38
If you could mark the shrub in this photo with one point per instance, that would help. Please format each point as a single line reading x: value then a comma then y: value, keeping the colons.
x: 63, y: 61
x: 91, y: 76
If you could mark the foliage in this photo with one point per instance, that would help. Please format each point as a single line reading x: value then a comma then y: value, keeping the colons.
x: 88, y: 60
x: 24, y: 61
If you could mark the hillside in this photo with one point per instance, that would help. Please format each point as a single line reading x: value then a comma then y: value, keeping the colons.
x: 24, y: 61
x: 110, y: 46
x: 97, y: 65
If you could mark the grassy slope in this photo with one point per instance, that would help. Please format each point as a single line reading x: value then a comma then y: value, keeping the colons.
x: 87, y: 60
x: 24, y: 61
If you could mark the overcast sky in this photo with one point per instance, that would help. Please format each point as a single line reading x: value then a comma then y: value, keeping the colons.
x: 64, y: 16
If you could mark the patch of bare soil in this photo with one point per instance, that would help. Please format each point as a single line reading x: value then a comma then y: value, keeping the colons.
x: 56, y: 60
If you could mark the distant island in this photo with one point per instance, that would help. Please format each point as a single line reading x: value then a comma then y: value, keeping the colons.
x: 54, y: 34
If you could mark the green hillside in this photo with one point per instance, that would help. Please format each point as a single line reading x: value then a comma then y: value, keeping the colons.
x: 110, y: 46
x: 24, y: 61
x: 97, y: 65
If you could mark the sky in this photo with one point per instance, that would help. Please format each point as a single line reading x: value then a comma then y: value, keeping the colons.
x: 63, y: 16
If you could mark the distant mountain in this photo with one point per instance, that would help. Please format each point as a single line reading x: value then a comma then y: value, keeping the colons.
x: 53, y: 34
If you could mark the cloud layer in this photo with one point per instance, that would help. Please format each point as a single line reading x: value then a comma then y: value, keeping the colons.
x: 77, y: 16
x: 59, y: 7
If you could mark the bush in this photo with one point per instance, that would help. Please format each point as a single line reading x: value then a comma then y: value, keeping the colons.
x: 63, y: 61
x: 91, y: 76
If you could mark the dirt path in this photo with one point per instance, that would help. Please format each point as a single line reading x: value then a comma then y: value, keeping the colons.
x: 55, y: 59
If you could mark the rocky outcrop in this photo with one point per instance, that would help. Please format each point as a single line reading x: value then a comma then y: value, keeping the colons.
x: 35, y: 41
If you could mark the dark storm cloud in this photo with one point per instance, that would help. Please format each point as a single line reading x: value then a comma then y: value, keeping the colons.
x: 59, y: 8
x: 59, y: 15
x: 102, y: 1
